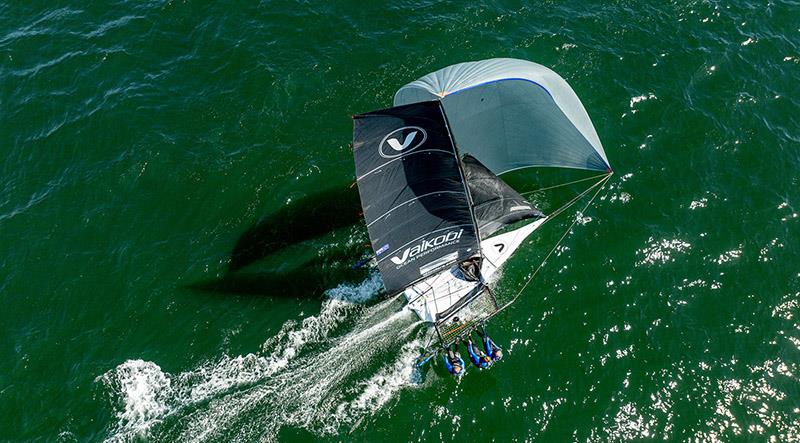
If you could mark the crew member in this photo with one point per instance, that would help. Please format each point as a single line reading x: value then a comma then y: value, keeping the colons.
x: 491, y: 349
x: 453, y: 361
x: 476, y: 355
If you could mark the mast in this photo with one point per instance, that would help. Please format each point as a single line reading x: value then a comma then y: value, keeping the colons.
x: 463, y: 176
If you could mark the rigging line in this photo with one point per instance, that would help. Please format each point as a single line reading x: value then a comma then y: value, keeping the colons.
x: 459, y: 328
x: 575, y: 199
x: 433, y: 291
x: 516, y: 236
x: 549, y: 217
x: 599, y: 185
x: 430, y: 287
x: 541, y: 265
x: 566, y: 184
x: 450, y: 293
x: 571, y: 202
x: 490, y: 260
x: 427, y: 352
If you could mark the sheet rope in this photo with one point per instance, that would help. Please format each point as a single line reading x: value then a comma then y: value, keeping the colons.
x: 599, y: 185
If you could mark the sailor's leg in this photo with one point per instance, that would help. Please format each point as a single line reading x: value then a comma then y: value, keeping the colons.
x: 447, y: 364
x: 487, y: 345
x: 473, y: 355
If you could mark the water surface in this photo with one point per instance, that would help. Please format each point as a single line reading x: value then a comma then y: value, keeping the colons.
x: 142, y: 140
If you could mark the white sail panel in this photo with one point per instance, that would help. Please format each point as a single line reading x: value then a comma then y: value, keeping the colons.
x: 512, y: 114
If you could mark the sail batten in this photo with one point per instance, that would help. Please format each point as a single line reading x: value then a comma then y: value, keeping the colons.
x: 411, y: 200
x: 428, y: 177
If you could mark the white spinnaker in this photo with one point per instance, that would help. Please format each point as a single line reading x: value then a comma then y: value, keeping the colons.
x: 512, y: 114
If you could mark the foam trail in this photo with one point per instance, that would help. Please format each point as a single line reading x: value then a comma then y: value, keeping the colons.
x: 144, y: 390
x: 381, y: 387
x: 252, y: 396
x: 305, y: 396
x: 215, y: 378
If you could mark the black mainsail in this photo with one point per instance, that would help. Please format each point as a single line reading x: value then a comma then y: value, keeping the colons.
x: 413, y: 192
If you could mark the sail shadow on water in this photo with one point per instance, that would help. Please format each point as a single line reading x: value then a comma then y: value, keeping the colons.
x: 307, y: 246
x: 425, y: 223
x: 302, y: 219
x: 297, y: 271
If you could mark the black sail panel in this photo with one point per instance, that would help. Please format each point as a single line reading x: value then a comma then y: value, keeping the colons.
x: 495, y: 203
x: 412, y: 191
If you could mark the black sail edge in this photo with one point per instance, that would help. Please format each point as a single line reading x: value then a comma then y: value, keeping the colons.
x: 495, y: 203
x: 413, y: 193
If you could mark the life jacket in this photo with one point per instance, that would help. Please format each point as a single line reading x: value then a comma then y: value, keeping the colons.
x: 476, y: 358
x: 451, y: 362
x: 491, y: 348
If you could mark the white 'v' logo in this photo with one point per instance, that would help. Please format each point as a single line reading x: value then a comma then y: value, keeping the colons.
x: 402, y: 141
x: 396, y: 144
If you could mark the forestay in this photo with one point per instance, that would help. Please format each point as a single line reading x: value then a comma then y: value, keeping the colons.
x: 413, y: 193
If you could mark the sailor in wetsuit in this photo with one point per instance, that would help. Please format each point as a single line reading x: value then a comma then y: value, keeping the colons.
x: 491, y: 349
x: 453, y: 361
x: 476, y: 355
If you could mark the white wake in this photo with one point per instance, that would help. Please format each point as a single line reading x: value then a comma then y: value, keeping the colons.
x: 288, y: 383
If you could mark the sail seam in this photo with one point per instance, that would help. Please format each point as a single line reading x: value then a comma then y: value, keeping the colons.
x: 407, y: 202
x: 401, y: 157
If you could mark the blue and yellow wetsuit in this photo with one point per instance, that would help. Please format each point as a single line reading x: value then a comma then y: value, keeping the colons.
x: 492, y: 350
x: 453, y: 361
x: 476, y: 356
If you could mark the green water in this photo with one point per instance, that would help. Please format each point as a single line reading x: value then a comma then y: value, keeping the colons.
x: 142, y: 141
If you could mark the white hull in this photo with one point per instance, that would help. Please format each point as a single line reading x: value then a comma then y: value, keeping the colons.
x: 439, y: 292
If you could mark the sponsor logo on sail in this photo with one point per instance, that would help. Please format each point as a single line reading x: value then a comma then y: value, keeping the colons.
x: 401, y: 141
x: 427, y: 245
